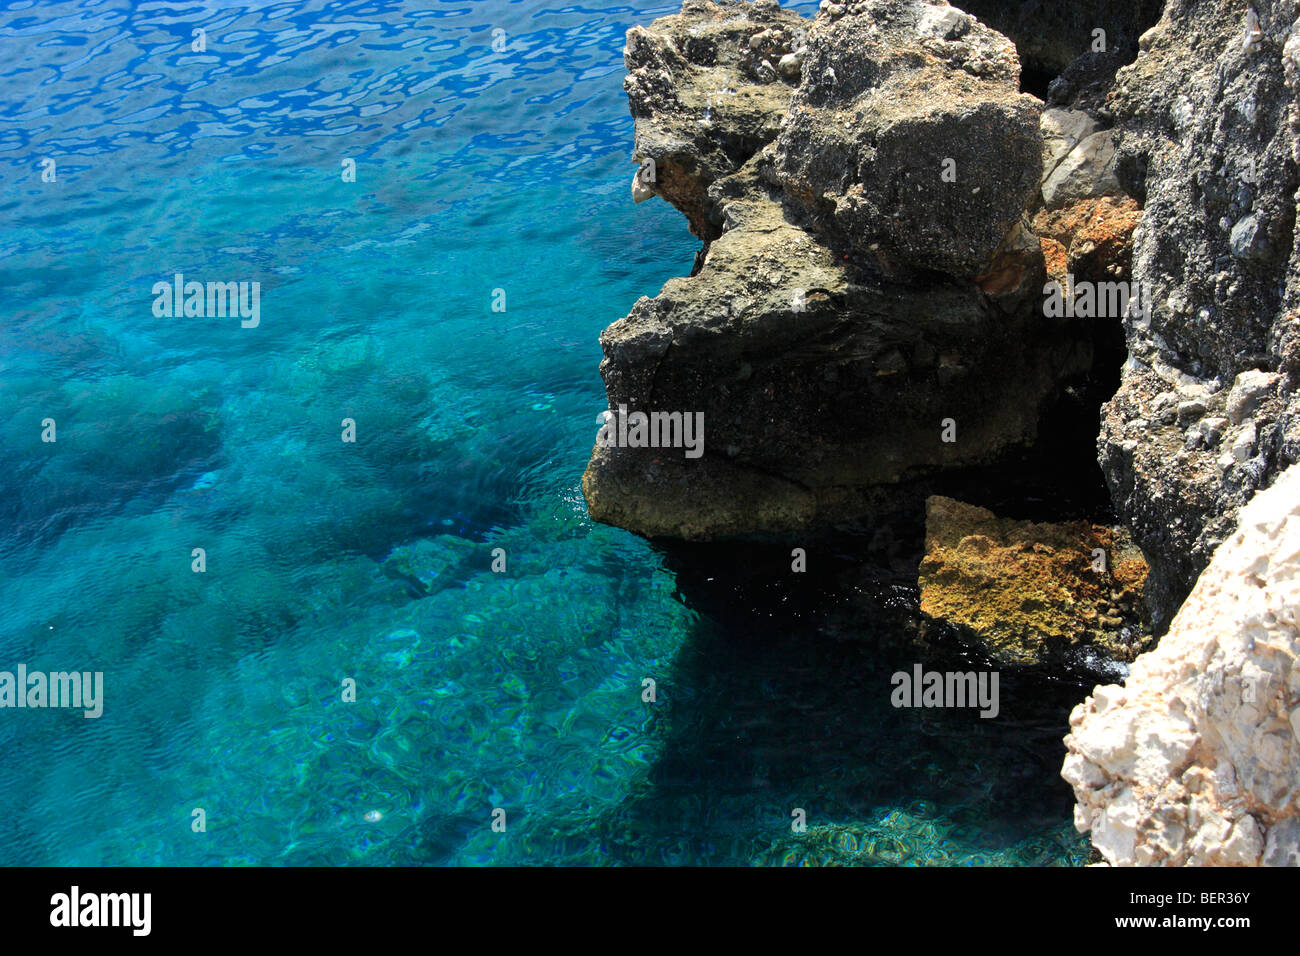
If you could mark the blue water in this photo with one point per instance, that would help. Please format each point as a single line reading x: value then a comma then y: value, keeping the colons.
x: 478, y: 169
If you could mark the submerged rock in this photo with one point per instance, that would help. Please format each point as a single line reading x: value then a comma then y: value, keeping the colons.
x: 431, y: 564
x: 903, y: 838
x: 1033, y: 593
x: 1196, y: 761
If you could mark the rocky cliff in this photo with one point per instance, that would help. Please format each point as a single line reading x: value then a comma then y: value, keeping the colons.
x: 918, y: 279
x: 1208, y: 410
x: 867, y: 311
x: 879, y: 205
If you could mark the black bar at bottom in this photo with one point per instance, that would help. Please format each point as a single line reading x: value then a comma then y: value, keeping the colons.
x: 594, y: 908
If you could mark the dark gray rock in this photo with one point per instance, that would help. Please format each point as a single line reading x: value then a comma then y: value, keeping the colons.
x: 849, y: 303
x: 1086, y: 82
x: 1207, y: 129
x: 819, y: 392
x: 908, y: 141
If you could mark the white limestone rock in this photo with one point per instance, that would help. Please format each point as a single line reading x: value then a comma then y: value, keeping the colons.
x: 1196, y: 761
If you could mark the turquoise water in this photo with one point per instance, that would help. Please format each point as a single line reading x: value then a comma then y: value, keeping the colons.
x: 478, y: 169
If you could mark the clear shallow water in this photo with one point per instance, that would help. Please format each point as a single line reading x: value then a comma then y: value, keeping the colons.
x: 477, y: 170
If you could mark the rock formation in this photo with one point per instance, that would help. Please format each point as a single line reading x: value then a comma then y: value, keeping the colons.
x: 867, y: 312
x: 1208, y: 410
x: 1066, y: 594
x: 881, y: 209
x: 1196, y: 760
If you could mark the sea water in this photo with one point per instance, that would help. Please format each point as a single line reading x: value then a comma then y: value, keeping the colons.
x: 413, y: 647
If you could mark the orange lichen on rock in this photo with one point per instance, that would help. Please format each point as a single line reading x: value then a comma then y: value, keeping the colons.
x: 1095, y: 236
x: 1055, y: 257
x: 1030, y: 591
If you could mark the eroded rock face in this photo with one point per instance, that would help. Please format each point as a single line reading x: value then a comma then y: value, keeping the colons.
x: 847, y: 336
x: 891, y: 99
x: 706, y: 93
x: 1065, y: 595
x: 1196, y: 760
x: 1207, y: 131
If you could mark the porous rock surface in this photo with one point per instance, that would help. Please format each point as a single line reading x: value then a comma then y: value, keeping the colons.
x: 1066, y: 594
x: 1208, y: 411
x: 852, y: 318
x: 889, y: 98
x: 706, y: 94
x: 1196, y: 760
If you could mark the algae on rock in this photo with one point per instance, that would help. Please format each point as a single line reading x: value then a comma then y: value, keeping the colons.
x: 1034, y: 593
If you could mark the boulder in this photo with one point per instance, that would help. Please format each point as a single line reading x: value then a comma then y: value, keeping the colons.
x: 1086, y: 172
x: 1063, y: 130
x: 1065, y: 595
x: 819, y: 392
x: 908, y: 140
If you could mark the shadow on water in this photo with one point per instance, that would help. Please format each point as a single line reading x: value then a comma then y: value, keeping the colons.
x: 781, y: 699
